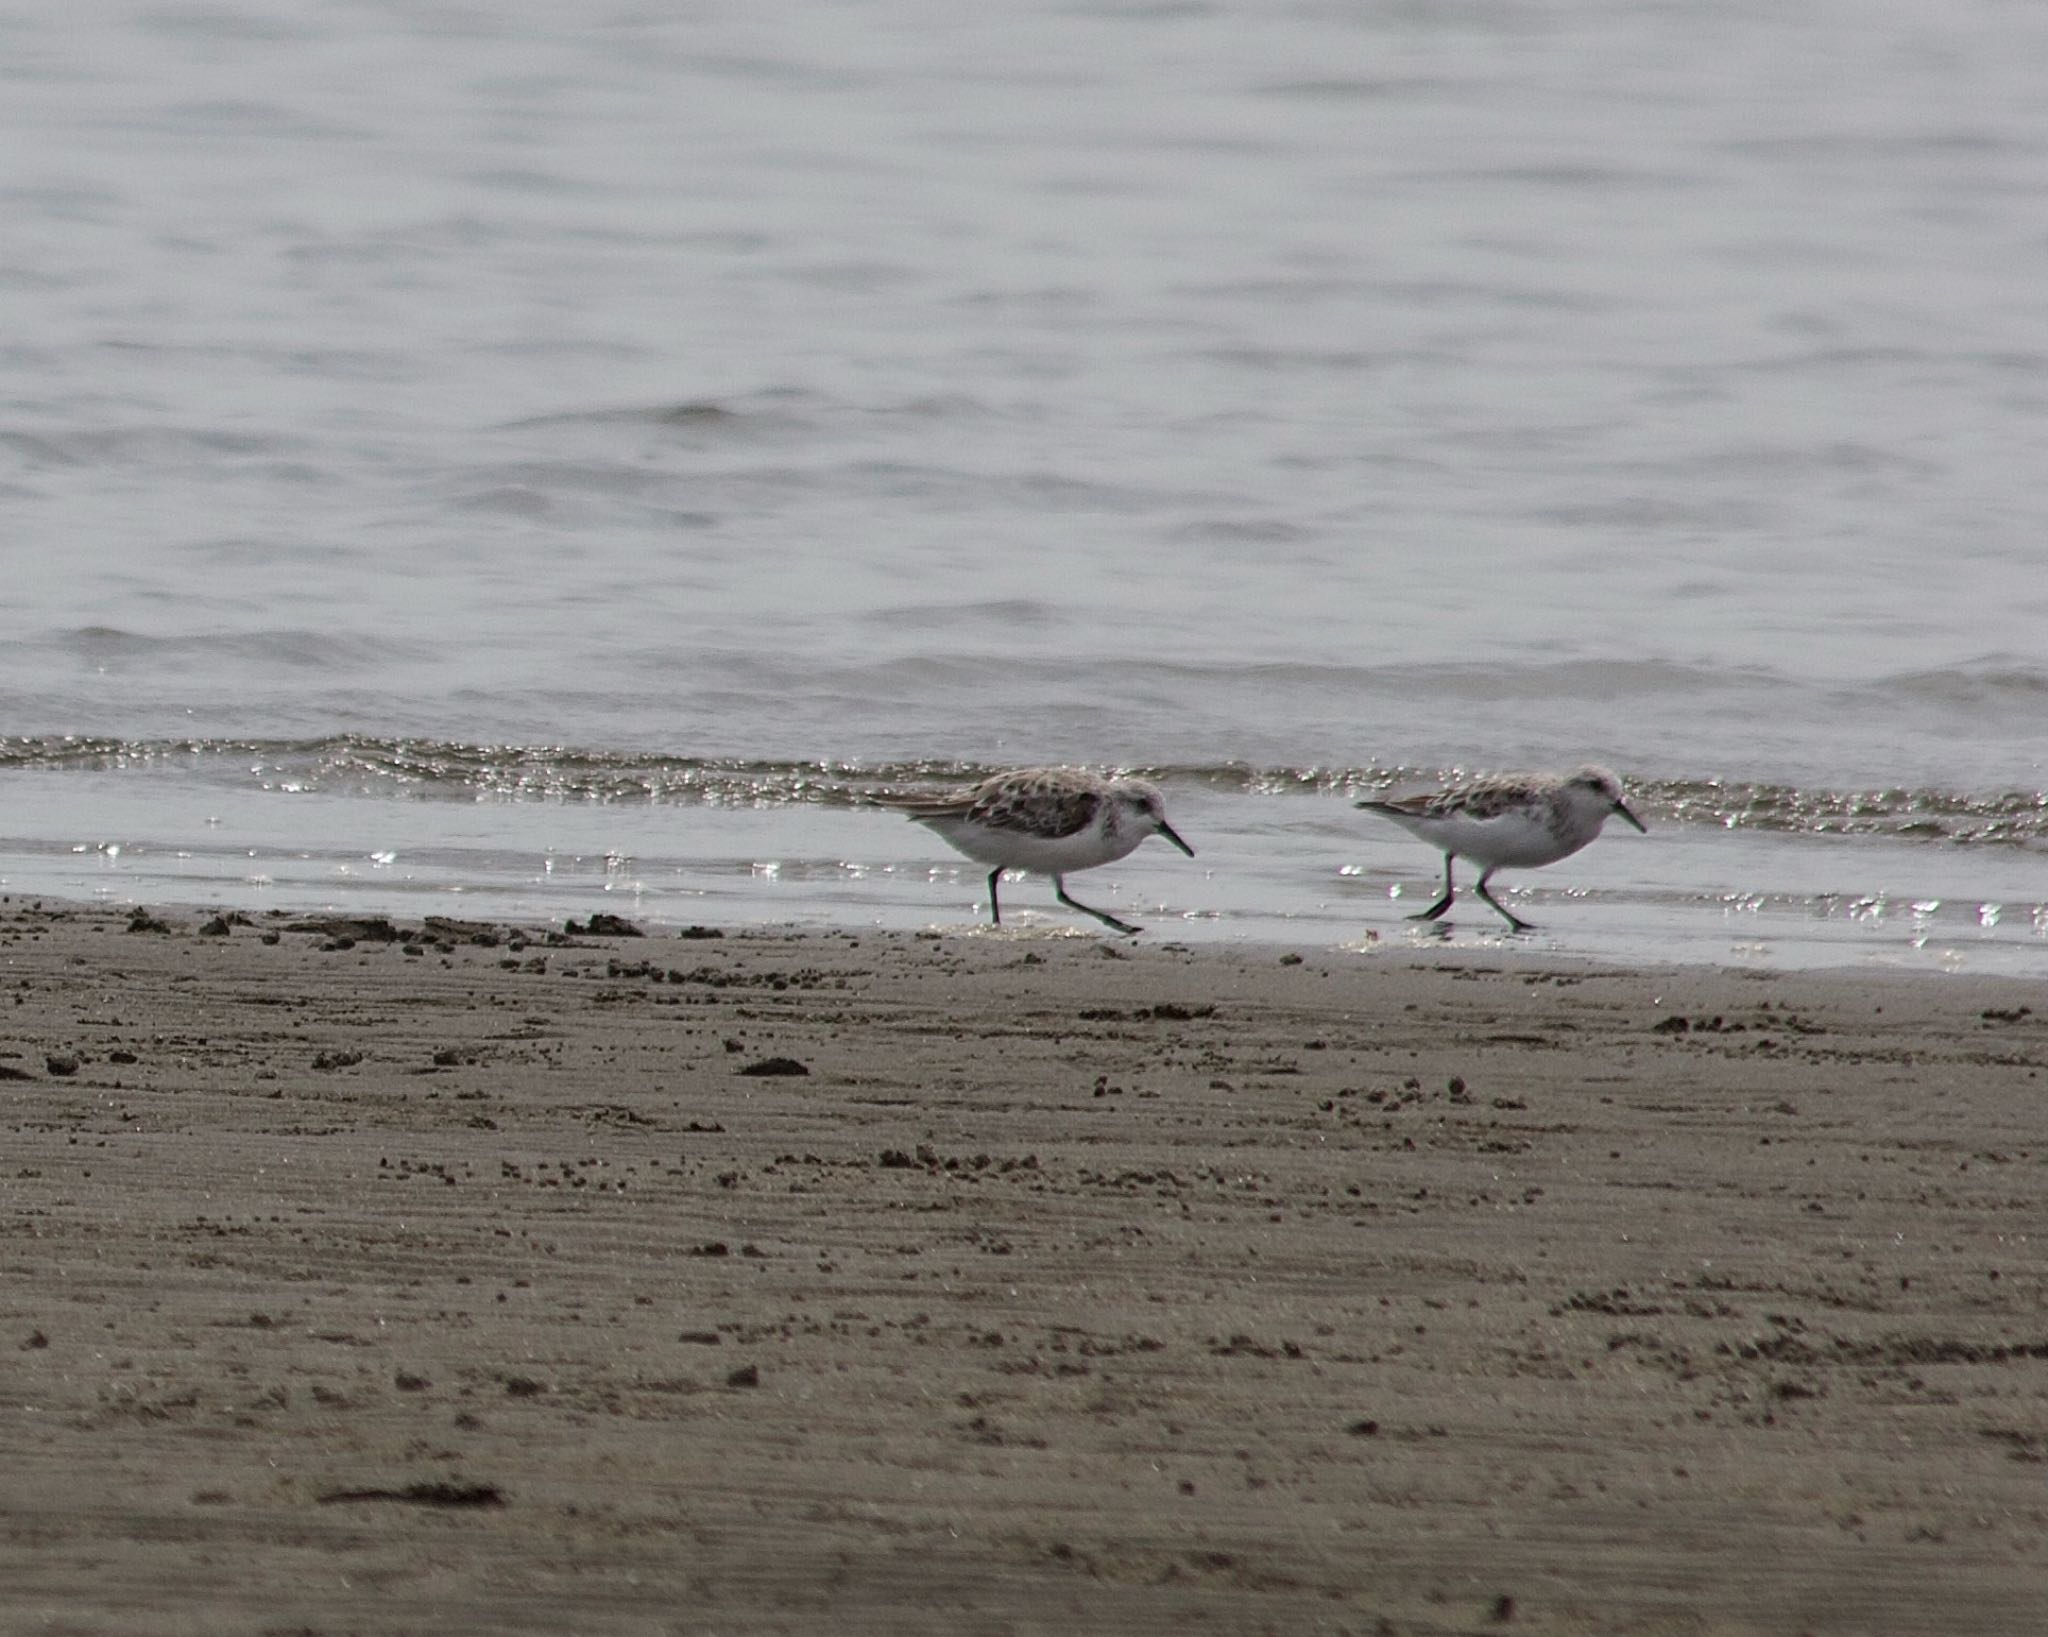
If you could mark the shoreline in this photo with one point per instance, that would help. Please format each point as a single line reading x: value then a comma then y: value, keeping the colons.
x: 1293, y: 869
x: 791, y: 1280
x: 1375, y: 940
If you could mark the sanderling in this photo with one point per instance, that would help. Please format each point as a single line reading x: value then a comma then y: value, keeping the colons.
x: 1048, y: 819
x: 1519, y: 819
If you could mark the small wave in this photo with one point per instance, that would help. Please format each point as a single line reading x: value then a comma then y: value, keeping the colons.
x: 1240, y: 531
x: 1996, y: 680
x: 700, y: 414
x: 1358, y: 88
x: 1751, y: 460
x: 770, y: 412
x: 1028, y: 492
x: 542, y: 480
x: 1803, y: 361
x: 1339, y: 360
x: 296, y: 649
x: 250, y: 119
x: 1649, y: 513
x: 506, y: 500
x: 1475, y: 681
x: 143, y: 445
x: 1604, y: 178
x: 771, y: 415
x: 2013, y: 816
x: 1015, y: 613
x: 1862, y: 146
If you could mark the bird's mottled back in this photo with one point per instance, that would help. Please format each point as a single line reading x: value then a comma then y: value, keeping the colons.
x: 1043, y: 801
x: 1482, y: 798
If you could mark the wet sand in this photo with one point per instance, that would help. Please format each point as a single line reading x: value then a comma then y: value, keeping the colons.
x: 460, y: 1281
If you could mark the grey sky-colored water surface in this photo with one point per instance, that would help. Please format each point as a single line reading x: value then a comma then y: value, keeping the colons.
x: 1297, y: 398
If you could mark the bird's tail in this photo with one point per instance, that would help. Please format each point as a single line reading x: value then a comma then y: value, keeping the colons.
x: 918, y: 804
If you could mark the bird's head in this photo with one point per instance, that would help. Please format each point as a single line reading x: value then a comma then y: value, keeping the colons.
x: 1144, y: 809
x: 1602, y: 789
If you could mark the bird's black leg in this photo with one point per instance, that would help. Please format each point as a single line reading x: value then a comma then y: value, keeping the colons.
x: 1512, y: 920
x: 1444, y: 902
x: 995, y: 904
x: 1059, y: 891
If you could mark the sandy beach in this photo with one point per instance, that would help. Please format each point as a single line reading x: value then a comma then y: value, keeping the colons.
x: 374, y: 1278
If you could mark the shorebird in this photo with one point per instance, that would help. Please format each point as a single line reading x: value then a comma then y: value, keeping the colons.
x: 1519, y: 819
x: 1050, y: 819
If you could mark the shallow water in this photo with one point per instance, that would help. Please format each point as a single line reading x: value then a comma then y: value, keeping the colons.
x: 445, y: 450
x: 1281, y: 859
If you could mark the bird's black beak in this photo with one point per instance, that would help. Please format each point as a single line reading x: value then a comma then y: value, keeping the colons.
x: 1622, y: 809
x: 1173, y: 836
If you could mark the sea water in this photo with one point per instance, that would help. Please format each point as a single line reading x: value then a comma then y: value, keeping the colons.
x: 513, y: 460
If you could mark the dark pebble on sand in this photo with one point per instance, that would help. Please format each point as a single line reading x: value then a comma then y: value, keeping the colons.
x: 375, y: 929
x: 604, y: 926
x: 771, y: 1066
x: 421, y: 1494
